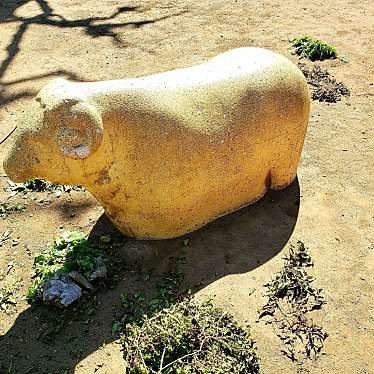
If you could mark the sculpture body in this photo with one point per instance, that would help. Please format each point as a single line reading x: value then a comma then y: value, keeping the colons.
x: 167, y: 153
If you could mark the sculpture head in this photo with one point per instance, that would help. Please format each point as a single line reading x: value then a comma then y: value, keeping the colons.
x: 58, y: 133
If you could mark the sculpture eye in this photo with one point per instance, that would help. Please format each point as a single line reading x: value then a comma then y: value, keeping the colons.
x: 69, y: 137
x: 72, y: 142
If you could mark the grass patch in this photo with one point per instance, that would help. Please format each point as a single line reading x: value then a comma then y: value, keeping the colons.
x: 135, y: 306
x: 7, y: 208
x: 168, y: 334
x: 291, y: 298
x: 325, y: 87
x: 313, y: 49
x: 70, y: 251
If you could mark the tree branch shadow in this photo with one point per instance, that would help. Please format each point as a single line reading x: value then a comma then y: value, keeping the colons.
x: 92, y: 26
x: 6, y: 98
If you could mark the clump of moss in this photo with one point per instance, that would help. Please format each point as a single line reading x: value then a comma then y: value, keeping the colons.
x: 313, y: 49
x: 71, y: 251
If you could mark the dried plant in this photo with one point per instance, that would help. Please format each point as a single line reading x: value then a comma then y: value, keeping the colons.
x: 291, y: 297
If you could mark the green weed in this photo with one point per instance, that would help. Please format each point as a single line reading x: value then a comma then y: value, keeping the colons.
x: 135, y: 306
x: 39, y: 185
x: 8, y: 208
x: 70, y: 251
x: 313, y: 49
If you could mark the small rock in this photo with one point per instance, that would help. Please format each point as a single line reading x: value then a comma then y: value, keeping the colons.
x: 81, y: 280
x: 101, y: 270
x: 61, y: 291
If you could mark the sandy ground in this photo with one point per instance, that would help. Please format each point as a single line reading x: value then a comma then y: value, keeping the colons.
x: 330, y: 206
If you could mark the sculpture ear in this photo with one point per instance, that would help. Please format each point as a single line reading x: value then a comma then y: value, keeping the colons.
x: 81, y: 131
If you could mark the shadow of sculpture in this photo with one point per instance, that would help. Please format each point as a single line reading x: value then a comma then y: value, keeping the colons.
x: 103, y: 26
x: 45, y: 340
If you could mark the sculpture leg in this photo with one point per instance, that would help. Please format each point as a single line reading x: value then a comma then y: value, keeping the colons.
x: 284, y: 169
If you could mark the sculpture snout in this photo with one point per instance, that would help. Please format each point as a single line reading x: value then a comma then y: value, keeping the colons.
x: 21, y: 160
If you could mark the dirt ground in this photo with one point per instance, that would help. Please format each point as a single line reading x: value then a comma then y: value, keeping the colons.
x: 329, y: 207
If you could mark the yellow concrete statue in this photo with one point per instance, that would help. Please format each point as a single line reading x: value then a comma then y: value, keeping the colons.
x: 167, y: 153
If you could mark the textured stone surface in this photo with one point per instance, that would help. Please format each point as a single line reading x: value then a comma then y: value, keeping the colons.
x: 61, y: 291
x: 79, y: 279
x: 167, y: 153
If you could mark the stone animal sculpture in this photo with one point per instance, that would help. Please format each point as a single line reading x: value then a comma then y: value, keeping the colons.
x: 167, y: 153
